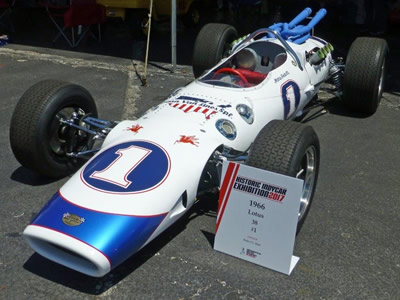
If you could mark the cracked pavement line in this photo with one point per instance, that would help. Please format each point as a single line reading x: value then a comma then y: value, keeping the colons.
x: 132, y: 95
x: 132, y: 92
x: 59, y: 59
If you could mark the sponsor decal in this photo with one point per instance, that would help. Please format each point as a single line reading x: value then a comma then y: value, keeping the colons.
x: 194, y: 99
x: 198, y: 105
x: 283, y: 75
x: 186, y: 108
x: 72, y: 220
x: 191, y: 139
x: 260, y: 189
x: 134, y: 128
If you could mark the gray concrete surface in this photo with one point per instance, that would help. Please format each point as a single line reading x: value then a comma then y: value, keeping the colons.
x: 348, y: 246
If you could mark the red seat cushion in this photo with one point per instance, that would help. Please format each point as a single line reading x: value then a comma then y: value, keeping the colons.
x: 252, y: 76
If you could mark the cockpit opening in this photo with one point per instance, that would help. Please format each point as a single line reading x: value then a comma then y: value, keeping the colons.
x: 249, y: 66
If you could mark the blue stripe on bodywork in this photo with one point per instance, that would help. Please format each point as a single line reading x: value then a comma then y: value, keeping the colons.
x: 116, y: 236
x: 319, y: 40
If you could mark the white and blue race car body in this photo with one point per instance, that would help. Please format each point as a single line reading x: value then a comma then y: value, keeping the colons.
x: 147, y: 172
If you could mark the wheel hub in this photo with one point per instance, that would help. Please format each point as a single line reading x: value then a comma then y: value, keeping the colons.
x: 63, y: 137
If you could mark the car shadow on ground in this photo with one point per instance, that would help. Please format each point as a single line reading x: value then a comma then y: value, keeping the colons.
x: 330, y: 103
x: 28, y: 177
x: 337, y: 107
x: 59, y: 274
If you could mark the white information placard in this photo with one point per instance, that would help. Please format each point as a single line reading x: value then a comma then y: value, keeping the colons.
x: 257, y: 216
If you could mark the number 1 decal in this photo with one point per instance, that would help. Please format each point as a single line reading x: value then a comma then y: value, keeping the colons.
x: 128, y: 168
x: 117, y: 172
x: 285, y: 90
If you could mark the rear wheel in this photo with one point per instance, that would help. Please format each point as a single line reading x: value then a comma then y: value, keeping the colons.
x: 39, y: 138
x: 364, y: 75
x: 212, y: 43
x: 291, y: 149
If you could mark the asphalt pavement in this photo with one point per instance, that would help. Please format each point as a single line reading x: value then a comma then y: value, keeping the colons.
x: 348, y: 246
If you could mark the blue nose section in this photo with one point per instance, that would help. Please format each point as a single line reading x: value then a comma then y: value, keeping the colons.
x: 116, y: 236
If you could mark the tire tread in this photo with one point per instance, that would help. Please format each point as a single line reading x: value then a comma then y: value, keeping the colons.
x: 278, y: 148
x: 25, y: 117
x: 28, y: 138
x: 207, y: 48
x: 362, y: 73
x: 276, y: 143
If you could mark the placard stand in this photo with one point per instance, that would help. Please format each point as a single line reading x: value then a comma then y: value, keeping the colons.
x: 257, y: 216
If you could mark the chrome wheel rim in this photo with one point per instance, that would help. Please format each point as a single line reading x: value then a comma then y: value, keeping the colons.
x: 381, y: 80
x: 307, y: 173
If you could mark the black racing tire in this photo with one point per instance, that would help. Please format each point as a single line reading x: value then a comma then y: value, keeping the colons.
x: 212, y: 43
x: 364, y: 74
x: 38, y: 140
x: 288, y: 147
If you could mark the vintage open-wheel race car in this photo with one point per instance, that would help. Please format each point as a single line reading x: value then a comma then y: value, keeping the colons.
x: 133, y: 179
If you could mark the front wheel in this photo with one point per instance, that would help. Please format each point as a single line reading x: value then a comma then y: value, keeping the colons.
x: 39, y: 136
x: 291, y: 149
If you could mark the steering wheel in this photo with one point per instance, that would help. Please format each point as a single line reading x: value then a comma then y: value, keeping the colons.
x: 232, y: 71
